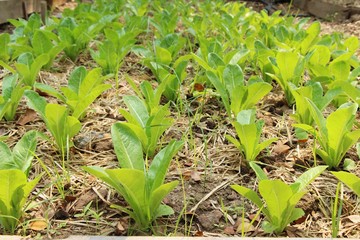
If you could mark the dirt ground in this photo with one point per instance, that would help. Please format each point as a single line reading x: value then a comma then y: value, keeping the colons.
x: 203, y: 202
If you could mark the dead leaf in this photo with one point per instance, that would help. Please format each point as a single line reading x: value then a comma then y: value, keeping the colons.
x: 38, y: 225
x: 29, y: 116
x: 199, y: 234
x: 89, y: 196
x: 281, y: 148
x: 354, y: 218
x: 229, y: 230
x: 195, y: 175
x: 244, y: 225
x: 300, y: 220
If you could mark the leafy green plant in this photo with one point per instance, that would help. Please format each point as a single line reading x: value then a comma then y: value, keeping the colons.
x: 4, y: 47
x: 165, y: 22
x: 249, y: 132
x: 334, y: 134
x: 76, y: 36
x: 22, y: 154
x: 12, y: 92
x: 350, y: 180
x: 25, y: 29
x: 28, y: 67
x: 56, y: 117
x: 148, y: 124
x: 314, y: 92
x: 289, y: 68
x: 278, y: 200
x: 15, y: 190
x: 163, y: 65
x: 111, y: 52
x: 42, y: 42
x: 141, y: 185
x: 82, y: 90
x: 235, y: 95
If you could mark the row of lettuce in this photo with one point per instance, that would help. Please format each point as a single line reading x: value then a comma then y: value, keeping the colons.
x: 237, y: 55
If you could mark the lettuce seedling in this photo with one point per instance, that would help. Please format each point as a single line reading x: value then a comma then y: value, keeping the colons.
x: 42, y: 44
x: 314, y: 92
x: 148, y: 126
x: 76, y: 37
x: 111, y: 52
x: 140, y: 184
x: 235, y: 95
x: 82, y: 90
x: 12, y: 92
x: 334, y: 134
x: 249, y: 132
x: 277, y: 199
x: 28, y: 67
x: 4, y: 47
x: 163, y: 65
x: 14, y: 192
x: 289, y: 68
x: 22, y: 154
x: 56, y: 117
x: 350, y: 180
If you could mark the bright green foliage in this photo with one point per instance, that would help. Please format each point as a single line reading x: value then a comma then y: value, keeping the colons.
x: 76, y: 37
x: 278, y: 199
x: 112, y: 51
x: 141, y: 185
x: 150, y: 97
x: 334, y: 134
x: 350, y: 179
x: 164, y: 64
x: 28, y: 67
x: 165, y: 22
x: 235, y: 95
x: 26, y: 28
x: 22, y: 154
x: 56, y: 117
x: 4, y: 47
x: 249, y: 133
x: 148, y: 124
x: 15, y: 189
x: 43, y: 44
x: 289, y: 68
x: 12, y: 92
x: 314, y: 92
x: 82, y: 90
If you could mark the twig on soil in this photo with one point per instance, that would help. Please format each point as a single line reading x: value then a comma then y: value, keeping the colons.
x: 223, y: 184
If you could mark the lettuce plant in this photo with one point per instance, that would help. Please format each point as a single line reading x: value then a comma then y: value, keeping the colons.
x: 334, y: 134
x: 235, y: 95
x: 277, y: 200
x: 350, y: 180
x: 22, y: 154
x: 148, y: 125
x: 111, y: 52
x: 141, y: 185
x: 289, y: 68
x: 165, y: 22
x: 82, y: 90
x: 249, y: 133
x: 76, y: 37
x: 314, y: 92
x: 12, y: 92
x: 28, y: 67
x: 163, y: 65
x: 4, y: 47
x: 15, y: 190
x: 56, y: 117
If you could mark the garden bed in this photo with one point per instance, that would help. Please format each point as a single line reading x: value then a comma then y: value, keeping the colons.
x: 69, y: 201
